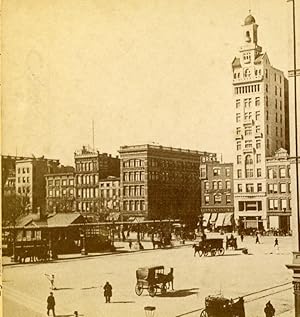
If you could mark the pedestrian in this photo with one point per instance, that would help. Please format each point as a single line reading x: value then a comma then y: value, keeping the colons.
x: 50, y: 277
x: 51, y: 304
x: 257, y: 239
x: 242, y: 237
x: 107, y: 292
x: 269, y: 310
x: 276, y: 243
x: 130, y: 244
x: 76, y: 313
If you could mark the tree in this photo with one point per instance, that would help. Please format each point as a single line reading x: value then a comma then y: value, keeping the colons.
x: 14, y: 206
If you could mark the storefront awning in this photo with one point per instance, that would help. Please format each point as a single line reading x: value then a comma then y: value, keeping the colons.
x: 213, y: 217
x: 219, y: 222
x: 228, y: 219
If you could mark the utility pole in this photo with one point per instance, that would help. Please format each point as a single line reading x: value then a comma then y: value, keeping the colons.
x: 293, y: 74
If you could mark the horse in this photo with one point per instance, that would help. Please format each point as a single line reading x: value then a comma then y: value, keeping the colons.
x: 197, y: 249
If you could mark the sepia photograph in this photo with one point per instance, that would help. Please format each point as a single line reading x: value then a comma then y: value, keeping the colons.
x: 150, y: 158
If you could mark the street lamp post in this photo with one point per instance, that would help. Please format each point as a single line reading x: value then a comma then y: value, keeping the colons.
x: 295, y: 266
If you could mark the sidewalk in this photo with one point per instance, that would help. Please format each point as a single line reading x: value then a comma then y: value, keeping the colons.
x: 290, y: 313
x: 121, y: 248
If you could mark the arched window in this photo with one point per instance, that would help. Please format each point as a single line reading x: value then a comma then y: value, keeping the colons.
x: 248, y: 160
x: 247, y: 72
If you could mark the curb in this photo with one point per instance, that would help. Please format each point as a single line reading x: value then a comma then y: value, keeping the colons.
x: 98, y: 255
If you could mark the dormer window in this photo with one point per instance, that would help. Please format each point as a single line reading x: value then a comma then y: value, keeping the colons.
x: 247, y: 57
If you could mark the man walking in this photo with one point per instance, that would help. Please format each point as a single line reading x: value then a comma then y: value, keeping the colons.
x: 107, y: 292
x: 269, y: 310
x: 51, y: 304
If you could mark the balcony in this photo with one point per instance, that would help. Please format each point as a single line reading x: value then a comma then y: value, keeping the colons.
x: 248, y: 150
x: 248, y: 79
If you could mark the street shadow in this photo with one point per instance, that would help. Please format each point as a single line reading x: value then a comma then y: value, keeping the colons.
x: 122, y: 302
x: 180, y: 293
x: 63, y: 288
x: 86, y: 288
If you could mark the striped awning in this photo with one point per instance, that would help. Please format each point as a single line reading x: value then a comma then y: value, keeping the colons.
x: 228, y: 219
x: 213, y: 217
x: 220, y: 220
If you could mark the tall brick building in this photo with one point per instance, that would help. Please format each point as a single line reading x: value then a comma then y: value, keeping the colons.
x: 160, y: 182
x: 261, y: 122
x: 217, y: 205
x: 90, y: 167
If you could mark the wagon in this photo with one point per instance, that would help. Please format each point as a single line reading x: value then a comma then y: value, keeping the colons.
x: 153, y: 279
x: 212, y: 246
x: 219, y: 306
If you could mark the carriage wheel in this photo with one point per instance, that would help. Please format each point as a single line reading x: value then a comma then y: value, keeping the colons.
x: 204, y: 313
x: 221, y: 251
x: 205, y: 253
x: 213, y: 252
x: 138, y: 290
x: 152, y: 290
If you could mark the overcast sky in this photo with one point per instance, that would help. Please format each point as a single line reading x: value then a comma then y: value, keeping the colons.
x: 144, y: 71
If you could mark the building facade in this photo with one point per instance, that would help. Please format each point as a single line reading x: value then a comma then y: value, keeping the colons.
x: 261, y: 104
x: 217, y: 205
x: 160, y: 182
x: 109, y: 194
x: 60, y: 190
x: 279, y: 209
x: 90, y: 167
x: 31, y: 183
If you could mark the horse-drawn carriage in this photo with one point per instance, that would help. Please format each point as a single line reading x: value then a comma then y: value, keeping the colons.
x: 218, y: 306
x: 212, y: 246
x: 152, y: 279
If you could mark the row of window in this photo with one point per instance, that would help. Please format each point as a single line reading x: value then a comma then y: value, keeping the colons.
x: 61, y: 182
x: 246, y: 89
x: 248, y: 158
x: 249, y: 172
x: 87, y: 192
x: 61, y: 193
x: 112, y: 184
x: 248, y: 144
x: 133, y: 176
x: 87, y: 179
x: 172, y: 164
x: 134, y: 205
x: 279, y: 188
x: 133, y: 191
x: 217, y: 171
x: 23, y: 170
x: 217, y: 199
x: 279, y: 204
x: 109, y: 193
x: 24, y: 190
x: 217, y: 185
x: 23, y: 180
x: 249, y: 188
x: 87, y: 167
x: 133, y: 163
x: 247, y: 130
x: 247, y: 116
x: 166, y: 177
x: 247, y: 102
x: 282, y: 172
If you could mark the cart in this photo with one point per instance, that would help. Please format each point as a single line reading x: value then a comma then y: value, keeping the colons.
x: 153, y: 279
